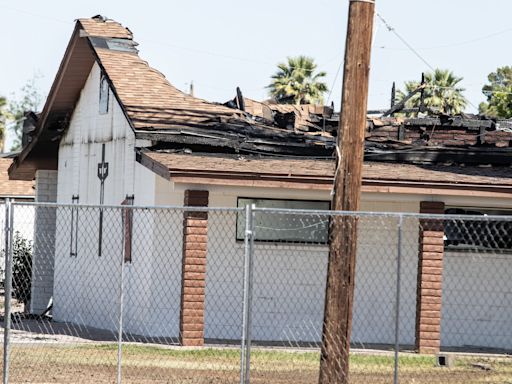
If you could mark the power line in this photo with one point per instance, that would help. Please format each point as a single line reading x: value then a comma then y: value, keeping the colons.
x: 334, y: 81
x: 195, y: 50
x: 210, y: 53
x: 466, y: 42
x: 35, y: 14
x: 391, y: 29
x: 415, y: 52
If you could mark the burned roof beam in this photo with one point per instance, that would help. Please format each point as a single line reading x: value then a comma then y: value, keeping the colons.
x: 233, y: 131
x: 240, y: 144
x: 456, y: 121
x: 423, y: 155
x: 401, y: 105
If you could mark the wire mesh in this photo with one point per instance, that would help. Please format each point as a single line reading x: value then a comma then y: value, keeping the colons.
x: 157, y: 295
x: 290, y: 285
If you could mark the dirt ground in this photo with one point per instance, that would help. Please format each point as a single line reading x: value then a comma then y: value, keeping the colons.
x: 49, y: 352
x: 96, y: 363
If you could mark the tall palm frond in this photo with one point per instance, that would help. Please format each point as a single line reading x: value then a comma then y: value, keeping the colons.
x: 442, y: 92
x: 296, y: 82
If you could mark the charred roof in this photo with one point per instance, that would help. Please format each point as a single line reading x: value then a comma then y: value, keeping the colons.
x: 175, y: 120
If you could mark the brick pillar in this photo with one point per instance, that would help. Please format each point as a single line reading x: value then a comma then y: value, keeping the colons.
x: 430, y: 274
x: 195, y: 234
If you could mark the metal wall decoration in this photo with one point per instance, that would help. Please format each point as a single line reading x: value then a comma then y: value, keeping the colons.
x: 128, y: 228
x: 73, y: 244
x: 102, y: 175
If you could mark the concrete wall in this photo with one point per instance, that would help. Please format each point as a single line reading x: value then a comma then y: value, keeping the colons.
x: 44, y: 241
x: 477, y: 300
x: 289, y: 281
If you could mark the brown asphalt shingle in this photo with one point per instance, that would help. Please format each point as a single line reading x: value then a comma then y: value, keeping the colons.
x: 13, y: 187
x: 150, y: 101
x: 324, y: 169
x: 108, y: 28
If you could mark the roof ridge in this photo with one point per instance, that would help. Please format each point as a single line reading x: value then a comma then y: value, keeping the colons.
x: 99, y: 26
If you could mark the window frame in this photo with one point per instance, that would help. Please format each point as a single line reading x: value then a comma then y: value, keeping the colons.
x: 473, y: 211
x: 282, y: 241
x: 103, y: 109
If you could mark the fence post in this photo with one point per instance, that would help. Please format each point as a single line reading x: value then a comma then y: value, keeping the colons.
x: 397, y: 309
x: 121, y: 297
x: 245, y: 345
x: 8, y: 231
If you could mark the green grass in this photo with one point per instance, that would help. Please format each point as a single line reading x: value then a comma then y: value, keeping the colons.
x: 263, y: 356
x: 149, y: 363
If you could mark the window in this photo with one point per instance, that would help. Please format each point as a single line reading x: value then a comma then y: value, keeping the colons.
x: 104, y: 91
x: 484, y: 233
x: 282, y: 227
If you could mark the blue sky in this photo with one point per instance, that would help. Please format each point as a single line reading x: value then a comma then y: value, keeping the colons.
x: 226, y: 43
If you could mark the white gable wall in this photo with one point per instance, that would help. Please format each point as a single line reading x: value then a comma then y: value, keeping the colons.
x: 86, y: 289
x: 80, y: 152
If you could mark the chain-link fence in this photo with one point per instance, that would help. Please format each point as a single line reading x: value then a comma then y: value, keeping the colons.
x: 210, y: 295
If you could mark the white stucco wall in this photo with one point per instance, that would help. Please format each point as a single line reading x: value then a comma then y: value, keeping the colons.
x: 289, y: 280
x: 44, y: 241
x: 477, y: 300
x: 87, y: 286
x: 80, y: 150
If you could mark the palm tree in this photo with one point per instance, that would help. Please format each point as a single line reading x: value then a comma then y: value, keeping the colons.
x: 441, y: 92
x: 297, y: 83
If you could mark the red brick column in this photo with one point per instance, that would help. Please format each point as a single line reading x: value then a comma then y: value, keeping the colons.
x: 195, y: 235
x: 430, y: 274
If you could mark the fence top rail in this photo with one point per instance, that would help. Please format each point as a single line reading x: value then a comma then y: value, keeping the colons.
x: 284, y: 211
x: 135, y: 207
x: 411, y: 215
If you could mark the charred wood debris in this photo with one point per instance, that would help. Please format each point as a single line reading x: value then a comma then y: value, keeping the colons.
x: 309, y: 131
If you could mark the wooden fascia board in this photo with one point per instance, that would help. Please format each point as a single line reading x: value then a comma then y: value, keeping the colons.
x: 438, y: 184
x: 49, y: 103
x: 152, y: 165
x: 368, y: 186
x: 59, y: 77
x: 432, y: 191
x: 260, y: 183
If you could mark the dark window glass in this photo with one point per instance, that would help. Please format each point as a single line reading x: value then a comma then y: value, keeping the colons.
x: 283, y: 227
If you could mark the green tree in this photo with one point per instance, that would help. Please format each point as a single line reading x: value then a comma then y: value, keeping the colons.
x: 22, y: 269
x: 441, y: 93
x: 3, y: 118
x: 297, y: 82
x: 499, y: 94
x: 30, y: 100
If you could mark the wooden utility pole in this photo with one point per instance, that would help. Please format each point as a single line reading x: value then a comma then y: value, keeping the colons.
x: 339, y: 293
